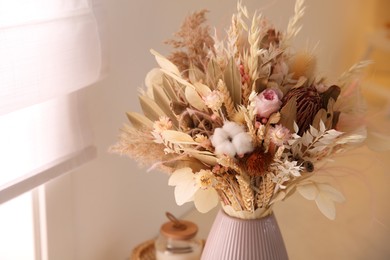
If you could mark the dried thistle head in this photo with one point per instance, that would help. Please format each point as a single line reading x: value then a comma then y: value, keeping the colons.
x: 256, y: 163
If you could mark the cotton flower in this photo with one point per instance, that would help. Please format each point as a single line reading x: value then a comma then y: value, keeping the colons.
x: 197, y: 187
x: 231, y: 139
x: 268, y: 102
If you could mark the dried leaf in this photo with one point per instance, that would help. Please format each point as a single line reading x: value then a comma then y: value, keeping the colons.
x: 178, y: 78
x: 202, y: 89
x: 150, y: 108
x: 139, y: 121
x: 331, y: 93
x: 207, y: 159
x: 274, y: 118
x: 170, y: 88
x: 176, y: 137
x: 214, y: 72
x: 321, y: 116
x: 288, y: 114
x: 195, y: 74
x: 161, y: 98
x: 194, y: 99
x: 232, y: 80
x: 165, y: 64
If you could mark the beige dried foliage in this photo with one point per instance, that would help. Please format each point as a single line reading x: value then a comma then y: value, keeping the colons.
x: 192, y: 43
x: 138, y: 145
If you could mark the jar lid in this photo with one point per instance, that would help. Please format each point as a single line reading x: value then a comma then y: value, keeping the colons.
x: 178, y: 229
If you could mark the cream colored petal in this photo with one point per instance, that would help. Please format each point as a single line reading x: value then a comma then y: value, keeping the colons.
x: 326, y: 206
x: 205, y: 200
x: 309, y: 191
x: 185, y: 184
x: 179, y: 176
x: 185, y: 192
x: 331, y: 192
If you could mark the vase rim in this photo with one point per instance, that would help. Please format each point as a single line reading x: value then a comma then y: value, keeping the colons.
x: 259, y: 213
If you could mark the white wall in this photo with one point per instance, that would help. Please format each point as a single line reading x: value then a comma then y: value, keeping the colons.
x: 110, y: 205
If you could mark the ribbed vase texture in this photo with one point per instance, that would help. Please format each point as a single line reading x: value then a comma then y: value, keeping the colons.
x: 237, y: 239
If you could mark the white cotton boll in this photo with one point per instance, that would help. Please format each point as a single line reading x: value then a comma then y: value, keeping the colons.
x: 232, y: 128
x: 243, y: 143
x: 219, y: 137
x: 226, y: 148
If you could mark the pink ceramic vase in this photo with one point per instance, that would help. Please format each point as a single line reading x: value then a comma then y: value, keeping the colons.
x: 238, y: 239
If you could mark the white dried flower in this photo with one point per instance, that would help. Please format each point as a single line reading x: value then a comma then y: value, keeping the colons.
x: 279, y: 135
x: 214, y: 100
x: 285, y: 171
x: 231, y: 139
x: 164, y: 123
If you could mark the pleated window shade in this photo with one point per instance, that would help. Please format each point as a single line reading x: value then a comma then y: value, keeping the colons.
x: 50, y: 50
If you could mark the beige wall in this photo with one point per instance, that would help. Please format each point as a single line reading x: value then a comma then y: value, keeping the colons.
x: 110, y: 205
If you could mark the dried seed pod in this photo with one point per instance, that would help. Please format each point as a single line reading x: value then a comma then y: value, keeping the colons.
x: 308, y: 103
x: 308, y: 165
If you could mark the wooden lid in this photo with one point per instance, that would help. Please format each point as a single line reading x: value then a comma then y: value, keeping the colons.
x: 178, y: 229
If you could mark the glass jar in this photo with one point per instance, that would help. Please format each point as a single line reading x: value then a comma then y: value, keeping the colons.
x: 177, y: 240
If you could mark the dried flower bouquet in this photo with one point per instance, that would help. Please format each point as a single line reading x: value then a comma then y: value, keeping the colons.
x: 243, y: 121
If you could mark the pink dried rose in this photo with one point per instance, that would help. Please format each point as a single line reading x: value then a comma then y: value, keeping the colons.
x: 268, y: 102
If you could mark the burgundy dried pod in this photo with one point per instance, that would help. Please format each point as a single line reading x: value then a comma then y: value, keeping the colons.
x: 308, y: 102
